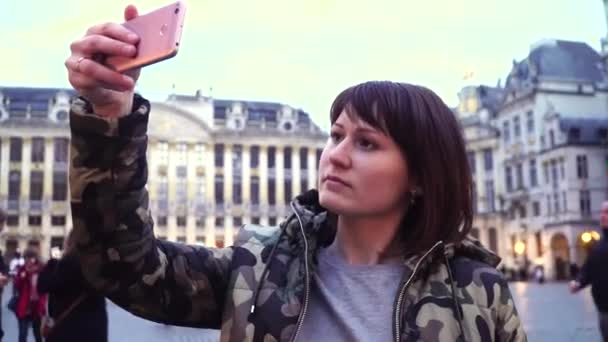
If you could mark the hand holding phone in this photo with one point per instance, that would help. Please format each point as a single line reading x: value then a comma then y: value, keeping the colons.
x: 159, y: 35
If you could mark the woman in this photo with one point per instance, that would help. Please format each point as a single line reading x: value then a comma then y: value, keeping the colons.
x: 30, y: 303
x: 378, y: 253
x: 79, y: 314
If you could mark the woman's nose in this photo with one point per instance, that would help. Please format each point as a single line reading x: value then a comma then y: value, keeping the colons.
x: 339, y: 155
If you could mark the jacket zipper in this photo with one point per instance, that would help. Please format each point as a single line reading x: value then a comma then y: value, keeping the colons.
x: 307, y: 281
x: 399, y: 303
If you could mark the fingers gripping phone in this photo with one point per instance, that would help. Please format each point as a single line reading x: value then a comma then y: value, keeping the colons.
x: 159, y: 34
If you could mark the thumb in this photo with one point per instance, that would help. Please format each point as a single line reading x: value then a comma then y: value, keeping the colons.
x: 130, y: 12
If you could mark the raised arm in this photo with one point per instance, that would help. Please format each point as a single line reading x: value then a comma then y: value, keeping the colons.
x: 113, y: 227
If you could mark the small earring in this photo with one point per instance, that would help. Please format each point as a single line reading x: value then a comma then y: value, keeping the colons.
x: 413, y: 197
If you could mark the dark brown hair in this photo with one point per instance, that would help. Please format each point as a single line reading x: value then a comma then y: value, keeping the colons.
x: 430, y: 137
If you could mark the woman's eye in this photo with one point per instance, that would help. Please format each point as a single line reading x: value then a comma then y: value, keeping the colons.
x: 366, y: 144
x: 335, y: 137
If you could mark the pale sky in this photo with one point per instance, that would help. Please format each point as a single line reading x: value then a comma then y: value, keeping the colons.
x: 303, y: 53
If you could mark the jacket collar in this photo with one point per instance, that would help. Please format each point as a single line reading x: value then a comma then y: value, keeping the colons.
x: 320, y: 232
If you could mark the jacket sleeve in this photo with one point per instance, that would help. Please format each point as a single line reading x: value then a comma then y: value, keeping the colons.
x: 119, y: 256
x: 509, y: 327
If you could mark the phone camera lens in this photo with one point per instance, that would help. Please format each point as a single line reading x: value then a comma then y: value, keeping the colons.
x: 177, y: 10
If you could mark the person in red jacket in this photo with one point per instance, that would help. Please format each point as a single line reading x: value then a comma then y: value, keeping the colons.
x: 31, y: 305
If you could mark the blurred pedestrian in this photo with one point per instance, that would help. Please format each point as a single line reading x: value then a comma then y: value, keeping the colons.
x: 3, y: 272
x: 77, y: 313
x: 30, y: 304
x: 594, y: 273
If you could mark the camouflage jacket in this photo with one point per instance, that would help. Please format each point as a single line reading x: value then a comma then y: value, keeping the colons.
x: 258, y: 289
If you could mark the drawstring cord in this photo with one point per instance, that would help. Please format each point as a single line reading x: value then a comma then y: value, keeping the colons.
x: 455, y: 301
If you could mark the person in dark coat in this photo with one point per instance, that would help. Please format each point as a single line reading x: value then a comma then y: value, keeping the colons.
x: 593, y: 273
x: 84, y: 312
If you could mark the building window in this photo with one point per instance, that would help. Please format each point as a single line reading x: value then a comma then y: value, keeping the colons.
x: 581, y: 167
x: 34, y: 220
x: 237, y: 222
x: 303, y: 158
x: 488, y: 162
x: 60, y: 185
x: 493, y: 239
x: 564, y: 202
x: 219, y: 222
x: 519, y: 176
x: 181, y: 172
x: 14, y: 185
x: 61, y: 149
x: 522, y: 211
x: 546, y: 173
x: 200, y: 222
x: 162, y: 193
x: 554, y: 174
x: 491, y: 206
x: 272, y: 221
x: 219, y: 189
x: 272, y: 199
x: 549, y: 211
x: 181, y: 221
x: 237, y: 197
x: 585, y: 203
x: 237, y: 160
x: 287, y: 158
x: 37, y: 150
x: 255, y: 220
x: 12, y: 220
x: 551, y: 138
x: 163, y: 152
x: 536, y: 208
x: 254, y: 160
x: 219, y: 155
x: 181, y: 239
x: 533, y: 173
x: 255, y: 190
x: 562, y: 168
x: 471, y: 158
x: 58, y: 220
x: 181, y: 150
x: 36, y: 178
x: 508, y: 179
x: 161, y: 221
x: 16, y: 148
x: 272, y: 162
x: 556, y: 205
x: 304, y: 185
x: 530, y: 121
x: 288, y: 192
x: 539, y: 244
x: 516, y: 127
x: 506, y: 132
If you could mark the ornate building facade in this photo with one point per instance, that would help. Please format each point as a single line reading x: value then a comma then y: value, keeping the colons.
x: 547, y: 132
x: 213, y: 166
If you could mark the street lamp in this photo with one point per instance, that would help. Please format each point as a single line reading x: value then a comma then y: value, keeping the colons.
x: 519, y: 248
x: 590, y: 236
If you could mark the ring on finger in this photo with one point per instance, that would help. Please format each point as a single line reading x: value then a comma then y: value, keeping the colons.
x: 80, y: 59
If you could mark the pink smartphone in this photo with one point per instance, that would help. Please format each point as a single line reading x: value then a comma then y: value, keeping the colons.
x: 159, y: 34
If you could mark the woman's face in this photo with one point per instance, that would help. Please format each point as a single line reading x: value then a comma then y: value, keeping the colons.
x: 362, y: 171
